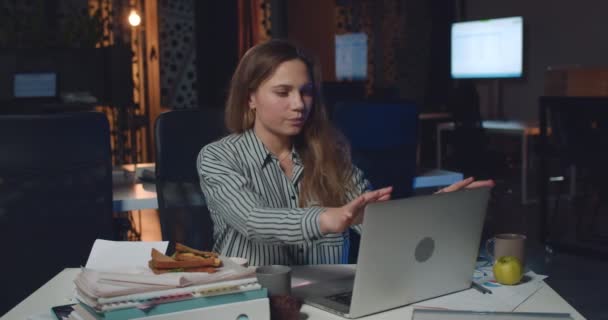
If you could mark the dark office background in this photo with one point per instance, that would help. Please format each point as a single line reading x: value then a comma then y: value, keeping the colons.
x: 408, y: 59
x: 413, y: 56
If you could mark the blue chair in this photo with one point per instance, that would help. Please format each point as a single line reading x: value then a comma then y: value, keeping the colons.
x: 383, y: 139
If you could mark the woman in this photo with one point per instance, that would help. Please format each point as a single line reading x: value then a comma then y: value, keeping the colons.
x: 281, y: 189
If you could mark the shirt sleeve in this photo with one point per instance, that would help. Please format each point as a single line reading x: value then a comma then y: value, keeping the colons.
x: 361, y: 185
x: 228, y: 193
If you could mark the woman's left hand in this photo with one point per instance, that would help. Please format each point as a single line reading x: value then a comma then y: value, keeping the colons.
x: 467, y: 183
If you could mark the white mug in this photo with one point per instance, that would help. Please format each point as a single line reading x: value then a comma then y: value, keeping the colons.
x: 507, y: 244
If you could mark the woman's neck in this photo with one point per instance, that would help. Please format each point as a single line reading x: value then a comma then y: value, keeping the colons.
x: 277, y: 145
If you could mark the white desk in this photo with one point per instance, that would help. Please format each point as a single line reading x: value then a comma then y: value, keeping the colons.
x: 130, y: 194
x: 59, y: 290
x: 517, y: 128
x: 544, y: 300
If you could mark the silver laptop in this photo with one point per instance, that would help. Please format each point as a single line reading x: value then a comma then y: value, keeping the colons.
x: 411, y: 250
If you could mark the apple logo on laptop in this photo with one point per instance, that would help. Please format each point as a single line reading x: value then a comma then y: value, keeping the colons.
x: 424, y: 249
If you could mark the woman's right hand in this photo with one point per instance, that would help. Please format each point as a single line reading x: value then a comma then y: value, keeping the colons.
x: 337, y: 220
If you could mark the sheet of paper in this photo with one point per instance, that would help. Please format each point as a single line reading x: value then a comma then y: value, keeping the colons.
x: 502, y: 298
x: 122, y: 256
x: 351, y: 56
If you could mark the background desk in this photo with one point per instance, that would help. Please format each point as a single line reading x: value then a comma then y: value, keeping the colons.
x: 131, y: 194
x: 436, y: 178
x: 128, y: 193
x: 60, y: 289
x: 518, y: 128
x: 434, y: 116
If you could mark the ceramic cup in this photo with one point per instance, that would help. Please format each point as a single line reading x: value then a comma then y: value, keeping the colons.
x: 507, y: 244
x: 275, y: 278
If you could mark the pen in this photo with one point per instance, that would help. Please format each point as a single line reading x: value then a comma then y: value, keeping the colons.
x: 480, y: 288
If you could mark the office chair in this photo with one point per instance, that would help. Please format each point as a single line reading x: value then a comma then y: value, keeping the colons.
x: 179, y: 136
x: 470, y: 153
x: 383, y: 139
x: 579, y: 141
x: 55, y: 196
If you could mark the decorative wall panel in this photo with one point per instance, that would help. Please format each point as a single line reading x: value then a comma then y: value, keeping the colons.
x: 177, y: 54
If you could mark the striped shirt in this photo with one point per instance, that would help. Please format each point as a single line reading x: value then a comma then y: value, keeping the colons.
x: 254, y: 206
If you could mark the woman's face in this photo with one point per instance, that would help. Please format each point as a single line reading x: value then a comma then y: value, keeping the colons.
x: 283, y: 101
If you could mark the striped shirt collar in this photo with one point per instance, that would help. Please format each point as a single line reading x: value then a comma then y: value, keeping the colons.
x: 261, y: 153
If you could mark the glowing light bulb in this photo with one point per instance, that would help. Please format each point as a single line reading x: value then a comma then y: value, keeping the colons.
x: 134, y: 18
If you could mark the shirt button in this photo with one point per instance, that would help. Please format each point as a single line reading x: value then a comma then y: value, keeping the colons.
x: 293, y: 197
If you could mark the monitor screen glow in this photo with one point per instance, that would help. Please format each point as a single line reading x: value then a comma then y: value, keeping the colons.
x: 351, y: 56
x: 35, y: 85
x: 491, y: 48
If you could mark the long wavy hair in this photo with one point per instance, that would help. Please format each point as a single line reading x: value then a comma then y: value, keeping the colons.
x: 324, y: 152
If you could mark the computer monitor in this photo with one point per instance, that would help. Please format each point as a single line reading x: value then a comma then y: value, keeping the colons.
x: 31, y: 76
x: 35, y: 85
x: 490, y: 48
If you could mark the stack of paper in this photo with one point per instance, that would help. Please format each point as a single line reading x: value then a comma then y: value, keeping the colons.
x: 165, y: 301
x: 128, y: 289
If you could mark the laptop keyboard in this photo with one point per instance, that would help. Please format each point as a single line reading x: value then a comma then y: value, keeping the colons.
x: 342, y: 298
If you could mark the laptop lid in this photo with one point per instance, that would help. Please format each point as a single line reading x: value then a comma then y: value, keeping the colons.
x: 417, y: 248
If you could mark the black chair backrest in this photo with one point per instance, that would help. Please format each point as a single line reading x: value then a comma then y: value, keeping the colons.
x: 470, y: 152
x: 55, y: 196
x: 383, y: 139
x: 179, y: 137
x: 342, y: 91
x: 579, y: 129
x: 464, y: 105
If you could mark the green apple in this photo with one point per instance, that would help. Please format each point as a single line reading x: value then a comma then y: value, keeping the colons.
x: 508, y: 270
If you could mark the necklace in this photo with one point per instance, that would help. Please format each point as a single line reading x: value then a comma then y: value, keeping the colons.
x: 284, y: 157
x: 286, y: 166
